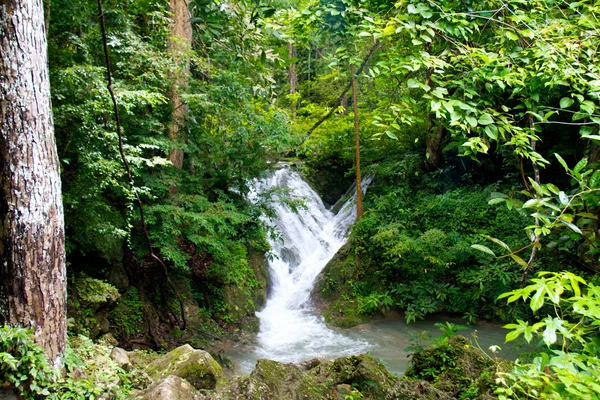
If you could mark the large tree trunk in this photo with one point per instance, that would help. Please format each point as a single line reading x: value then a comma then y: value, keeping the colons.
x: 180, y: 45
x: 32, y: 255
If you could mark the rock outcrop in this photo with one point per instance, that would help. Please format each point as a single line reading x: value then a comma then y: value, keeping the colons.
x: 195, y: 366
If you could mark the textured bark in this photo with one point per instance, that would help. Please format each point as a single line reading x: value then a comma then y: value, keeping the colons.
x: 32, y: 256
x: 180, y: 44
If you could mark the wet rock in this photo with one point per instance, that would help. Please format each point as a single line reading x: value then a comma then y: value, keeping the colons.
x: 120, y: 356
x: 195, y: 366
x: 172, y: 388
x: 310, y: 364
x: 326, y: 380
x: 272, y: 380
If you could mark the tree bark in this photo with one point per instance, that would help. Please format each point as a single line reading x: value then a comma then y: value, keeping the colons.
x: 359, y: 203
x: 32, y: 254
x: 180, y: 45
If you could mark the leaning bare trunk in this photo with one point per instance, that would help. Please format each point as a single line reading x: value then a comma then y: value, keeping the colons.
x: 32, y: 255
x: 180, y: 44
x: 359, y: 202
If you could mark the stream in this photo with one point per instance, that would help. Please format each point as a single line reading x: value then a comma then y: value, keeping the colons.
x: 291, y: 330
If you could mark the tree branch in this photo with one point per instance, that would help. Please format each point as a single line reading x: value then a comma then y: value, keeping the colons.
x: 375, y: 47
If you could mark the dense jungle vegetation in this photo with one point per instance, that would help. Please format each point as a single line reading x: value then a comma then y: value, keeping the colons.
x: 477, y: 124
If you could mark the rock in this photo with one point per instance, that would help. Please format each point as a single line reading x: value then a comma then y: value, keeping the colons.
x: 195, y: 366
x: 310, y: 364
x: 78, y: 374
x: 120, y: 357
x: 8, y: 394
x: 357, y: 376
x: 108, y: 340
x: 117, y: 276
x: 171, y: 388
x: 272, y: 380
x: 454, y: 366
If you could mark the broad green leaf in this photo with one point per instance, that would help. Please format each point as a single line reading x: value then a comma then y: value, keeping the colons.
x: 496, y: 200
x: 537, y: 301
x: 573, y: 227
x: 564, y: 199
x: 588, y: 106
x: 511, y: 35
x: 580, y: 165
x: 389, y: 30
x: 498, y: 242
x: 485, y: 119
x: 566, y: 102
x: 483, y: 249
x: 471, y: 120
x: 592, y: 137
x: 562, y: 162
x: 413, y: 83
x: 435, y: 105
x: 519, y: 260
x: 595, y: 179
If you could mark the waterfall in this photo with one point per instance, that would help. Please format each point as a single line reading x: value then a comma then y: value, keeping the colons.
x: 290, y: 329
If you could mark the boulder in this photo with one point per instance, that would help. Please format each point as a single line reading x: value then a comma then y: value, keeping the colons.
x: 358, y: 376
x: 171, y: 388
x: 195, y: 366
x: 120, y: 356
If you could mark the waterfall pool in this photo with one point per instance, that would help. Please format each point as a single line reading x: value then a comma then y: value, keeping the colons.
x: 290, y: 329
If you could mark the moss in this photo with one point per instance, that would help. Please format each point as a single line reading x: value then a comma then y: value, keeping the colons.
x: 128, y: 316
x: 344, y: 314
x: 88, y: 304
x: 455, y: 366
x: 195, y: 366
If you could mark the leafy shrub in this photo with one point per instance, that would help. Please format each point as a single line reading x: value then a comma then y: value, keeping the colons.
x: 90, y: 372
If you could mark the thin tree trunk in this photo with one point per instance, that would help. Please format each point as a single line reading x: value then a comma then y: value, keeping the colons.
x: 434, y: 138
x: 536, y: 177
x: 359, y: 203
x: 180, y: 45
x: 309, y: 53
x: 293, y: 79
x: 32, y: 253
x: 344, y: 103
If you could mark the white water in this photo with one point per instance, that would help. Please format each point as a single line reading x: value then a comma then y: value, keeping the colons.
x: 290, y: 330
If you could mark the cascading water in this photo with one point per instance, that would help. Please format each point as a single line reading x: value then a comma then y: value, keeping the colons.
x: 290, y: 330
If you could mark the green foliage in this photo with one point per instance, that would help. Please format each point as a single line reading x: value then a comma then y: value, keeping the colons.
x: 569, y: 368
x: 89, y: 370
x: 128, y: 315
x: 453, y: 365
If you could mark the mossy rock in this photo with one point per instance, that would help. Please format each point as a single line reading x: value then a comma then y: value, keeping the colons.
x: 456, y: 366
x: 272, y: 380
x: 344, y: 314
x: 195, y: 366
x: 325, y: 380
